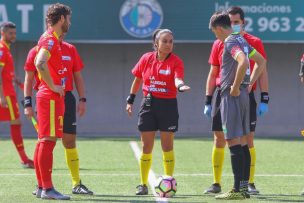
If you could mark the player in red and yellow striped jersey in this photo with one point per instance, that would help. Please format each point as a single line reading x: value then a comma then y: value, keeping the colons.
x: 50, y: 98
x: 72, y: 67
x: 8, y: 100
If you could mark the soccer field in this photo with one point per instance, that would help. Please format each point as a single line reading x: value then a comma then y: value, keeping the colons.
x: 110, y: 168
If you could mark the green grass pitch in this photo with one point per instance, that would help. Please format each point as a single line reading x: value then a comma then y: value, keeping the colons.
x: 110, y: 169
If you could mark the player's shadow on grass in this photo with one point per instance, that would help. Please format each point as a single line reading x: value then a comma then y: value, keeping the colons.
x: 279, y: 198
x: 81, y: 169
x: 129, y: 198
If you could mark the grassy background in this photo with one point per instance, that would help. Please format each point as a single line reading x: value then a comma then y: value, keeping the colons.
x: 109, y: 168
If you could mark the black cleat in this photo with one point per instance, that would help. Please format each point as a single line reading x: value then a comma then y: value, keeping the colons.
x: 81, y: 190
x: 252, y: 190
x: 213, y: 189
x: 141, y: 190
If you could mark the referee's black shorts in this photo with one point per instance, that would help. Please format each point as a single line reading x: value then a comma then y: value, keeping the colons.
x: 253, y: 114
x: 69, y: 121
x: 162, y: 115
x: 216, y: 113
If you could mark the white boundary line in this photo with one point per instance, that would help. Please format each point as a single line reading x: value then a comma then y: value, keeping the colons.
x: 135, y: 174
x: 152, y: 177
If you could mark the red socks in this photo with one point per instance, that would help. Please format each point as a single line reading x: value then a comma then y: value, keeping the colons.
x: 44, y: 163
x: 18, y: 141
x: 37, y: 168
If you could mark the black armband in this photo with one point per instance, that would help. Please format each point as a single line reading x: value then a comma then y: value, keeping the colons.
x: 83, y: 99
x: 264, y: 97
x: 27, y: 101
x: 301, y: 74
x: 179, y: 86
x: 208, y: 100
x: 131, y: 98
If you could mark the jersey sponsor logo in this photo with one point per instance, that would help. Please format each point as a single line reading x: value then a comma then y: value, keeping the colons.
x: 235, y: 50
x: 66, y: 58
x: 61, y: 71
x: 139, y: 18
x: 157, y: 82
x: 165, y: 72
x: 156, y: 89
x: 50, y: 44
x: 63, y: 82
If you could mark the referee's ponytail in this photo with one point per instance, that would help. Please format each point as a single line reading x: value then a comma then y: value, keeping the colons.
x: 154, y: 38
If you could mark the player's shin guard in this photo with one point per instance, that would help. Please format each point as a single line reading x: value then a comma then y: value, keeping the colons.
x: 37, y: 168
x: 169, y: 162
x: 45, y: 162
x: 218, y: 155
x: 237, y: 162
x: 18, y: 141
x: 72, y: 159
x: 252, y: 164
x: 145, y: 165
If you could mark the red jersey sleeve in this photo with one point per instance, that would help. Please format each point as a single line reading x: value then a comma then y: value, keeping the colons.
x: 179, y: 69
x: 2, y: 55
x: 139, y: 67
x: 30, y: 60
x: 213, y: 58
x: 47, y: 43
x: 77, y: 62
x: 260, y: 48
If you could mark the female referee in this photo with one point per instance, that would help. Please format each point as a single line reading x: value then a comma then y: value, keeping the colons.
x: 161, y: 73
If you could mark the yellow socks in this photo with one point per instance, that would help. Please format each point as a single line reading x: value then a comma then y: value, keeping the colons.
x: 71, y: 156
x: 218, y: 155
x: 252, y: 164
x: 169, y: 162
x: 145, y: 165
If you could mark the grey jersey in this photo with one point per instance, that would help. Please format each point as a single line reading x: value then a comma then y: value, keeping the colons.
x: 233, y: 46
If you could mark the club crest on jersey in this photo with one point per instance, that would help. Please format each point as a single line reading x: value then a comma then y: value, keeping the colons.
x: 66, y: 58
x: 50, y: 44
x: 165, y: 72
x: 139, y: 18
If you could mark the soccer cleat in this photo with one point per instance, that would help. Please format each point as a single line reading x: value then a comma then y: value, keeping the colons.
x: 81, y: 190
x: 28, y: 164
x: 37, y: 192
x: 302, y: 193
x: 53, y: 194
x: 141, y: 190
x: 252, y: 190
x: 214, y: 188
x: 245, y: 193
x: 231, y: 195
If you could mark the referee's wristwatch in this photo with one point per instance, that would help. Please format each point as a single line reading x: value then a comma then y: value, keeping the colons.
x: 83, y: 99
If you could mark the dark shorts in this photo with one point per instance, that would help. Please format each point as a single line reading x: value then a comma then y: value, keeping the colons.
x: 162, y: 115
x: 216, y: 114
x: 69, y: 121
x: 253, y: 114
x: 235, y: 113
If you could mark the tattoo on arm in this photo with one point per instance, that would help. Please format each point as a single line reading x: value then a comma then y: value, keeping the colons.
x: 40, y: 65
